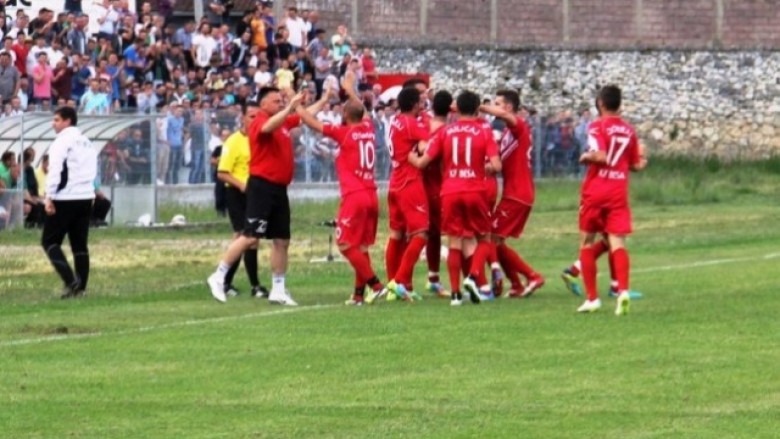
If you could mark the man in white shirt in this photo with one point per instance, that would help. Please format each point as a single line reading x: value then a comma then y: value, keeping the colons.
x: 70, y: 192
x: 203, y: 46
x: 297, y: 29
x: 263, y: 78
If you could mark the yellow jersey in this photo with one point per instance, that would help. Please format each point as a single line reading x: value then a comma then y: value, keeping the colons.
x: 235, y: 157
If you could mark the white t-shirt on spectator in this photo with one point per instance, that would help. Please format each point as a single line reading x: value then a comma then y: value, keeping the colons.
x: 111, y: 17
x: 332, y: 83
x: 296, y: 27
x: 54, y: 57
x: 263, y: 79
x: 205, y: 47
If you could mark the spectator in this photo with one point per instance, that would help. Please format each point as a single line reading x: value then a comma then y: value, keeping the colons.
x: 9, y: 79
x: 175, y: 136
x: 341, y: 44
x: 94, y: 100
x: 137, y: 156
x: 239, y: 54
x: 215, y: 10
x: 199, y: 133
x: 77, y: 36
x: 314, y: 29
x: 203, y: 47
x: 42, y: 76
x: 296, y: 28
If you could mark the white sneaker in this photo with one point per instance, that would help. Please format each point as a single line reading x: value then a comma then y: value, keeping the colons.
x: 281, y: 298
x: 590, y: 306
x: 217, y: 286
x: 623, y: 303
x: 456, y: 302
x: 471, y: 287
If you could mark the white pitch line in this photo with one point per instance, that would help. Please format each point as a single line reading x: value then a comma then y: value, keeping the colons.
x: 28, y: 341
x: 705, y: 263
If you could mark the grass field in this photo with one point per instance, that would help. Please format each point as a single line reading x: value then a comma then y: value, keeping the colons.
x: 149, y: 354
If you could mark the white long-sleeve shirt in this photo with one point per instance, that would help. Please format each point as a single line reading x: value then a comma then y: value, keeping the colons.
x: 72, y: 167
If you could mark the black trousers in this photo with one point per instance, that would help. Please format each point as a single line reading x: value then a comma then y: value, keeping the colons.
x: 71, y: 218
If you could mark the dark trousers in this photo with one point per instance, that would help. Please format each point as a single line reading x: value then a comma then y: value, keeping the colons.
x: 70, y: 218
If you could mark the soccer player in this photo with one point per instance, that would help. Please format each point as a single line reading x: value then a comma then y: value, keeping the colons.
x: 432, y: 181
x: 70, y: 193
x: 517, y: 199
x: 613, y: 151
x: 407, y: 201
x: 464, y: 147
x: 359, y: 210
x: 233, y: 172
x: 271, y: 169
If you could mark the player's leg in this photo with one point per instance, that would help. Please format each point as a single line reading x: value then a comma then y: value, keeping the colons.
x: 589, y: 272
x: 433, y: 248
x: 476, y: 224
x: 279, y: 233
x: 414, y: 207
x: 454, y: 264
x: 505, y: 259
x: 618, y: 226
x: 394, y: 249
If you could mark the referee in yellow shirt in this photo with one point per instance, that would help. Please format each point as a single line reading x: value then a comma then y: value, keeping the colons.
x: 233, y: 170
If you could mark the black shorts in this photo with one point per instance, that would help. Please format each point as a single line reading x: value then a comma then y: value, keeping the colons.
x: 267, y: 210
x: 236, y: 207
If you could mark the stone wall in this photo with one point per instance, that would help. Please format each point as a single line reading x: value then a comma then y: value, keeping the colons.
x: 565, y: 24
x: 698, y: 103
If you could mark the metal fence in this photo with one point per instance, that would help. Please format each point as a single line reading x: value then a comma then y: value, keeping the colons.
x: 148, y: 160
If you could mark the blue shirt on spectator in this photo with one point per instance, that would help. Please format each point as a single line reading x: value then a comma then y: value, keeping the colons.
x: 131, y: 59
x: 184, y: 38
x: 79, y: 82
x: 175, y: 131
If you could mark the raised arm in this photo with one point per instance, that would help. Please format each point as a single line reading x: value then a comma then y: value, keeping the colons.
x: 317, y: 106
x: 307, y: 117
x: 277, y: 119
x: 498, y: 112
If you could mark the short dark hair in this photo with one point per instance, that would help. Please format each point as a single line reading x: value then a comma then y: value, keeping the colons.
x: 442, y: 101
x: 28, y: 154
x: 7, y: 157
x: 410, y: 83
x: 67, y: 113
x: 265, y: 91
x: 468, y: 103
x: 408, y: 98
x: 510, y: 96
x: 611, y: 97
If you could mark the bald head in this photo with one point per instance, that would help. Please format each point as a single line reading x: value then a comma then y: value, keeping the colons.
x: 353, y: 111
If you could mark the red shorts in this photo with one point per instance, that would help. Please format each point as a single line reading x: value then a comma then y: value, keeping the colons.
x: 510, y: 217
x: 491, y: 185
x: 408, y: 209
x: 357, y: 219
x: 614, y: 220
x: 465, y: 215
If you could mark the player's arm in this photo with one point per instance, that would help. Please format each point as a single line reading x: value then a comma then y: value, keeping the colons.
x: 419, y: 161
x: 308, y: 118
x: 493, y: 152
x: 278, y: 119
x: 317, y: 106
x: 348, y: 85
x: 595, y: 155
x: 498, y: 112
x: 641, y: 162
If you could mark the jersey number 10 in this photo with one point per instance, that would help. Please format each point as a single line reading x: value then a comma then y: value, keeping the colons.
x: 367, y: 154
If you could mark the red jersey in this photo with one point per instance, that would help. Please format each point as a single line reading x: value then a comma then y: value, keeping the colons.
x: 271, y: 154
x: 405, y: 133
x: 608, y: 183
x: 517, y: 169
x: 463, y: 147
x: 433, y: 174
x: 356, y: 156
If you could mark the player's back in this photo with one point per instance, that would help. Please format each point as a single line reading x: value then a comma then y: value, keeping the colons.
x: 516, y: 149
x: 356, y: 155
x: 608, y: 183
x: 465, y: 146
x: 405, y: 133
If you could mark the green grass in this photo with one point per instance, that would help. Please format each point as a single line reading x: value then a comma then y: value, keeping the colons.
x: 150, y: 355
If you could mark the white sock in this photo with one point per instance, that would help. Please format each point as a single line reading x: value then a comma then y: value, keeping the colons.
x: 578, y: 265
x: 614, y: 285
x: 277, y: 284
x: 484, y: 289
x: 495, y: 266
x: 223, y: 269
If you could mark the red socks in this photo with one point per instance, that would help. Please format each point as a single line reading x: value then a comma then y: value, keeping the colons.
x: 619, y: 264
x: 361, y: 264
x: 477, y: 269
x: 512, y: 261
x: 588, y: 261
x: 409, y: 259
x: 454, y: 264
x: 393, y: 253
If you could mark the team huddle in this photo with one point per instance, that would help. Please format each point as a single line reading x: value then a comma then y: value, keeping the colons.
x: 445, y: 163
